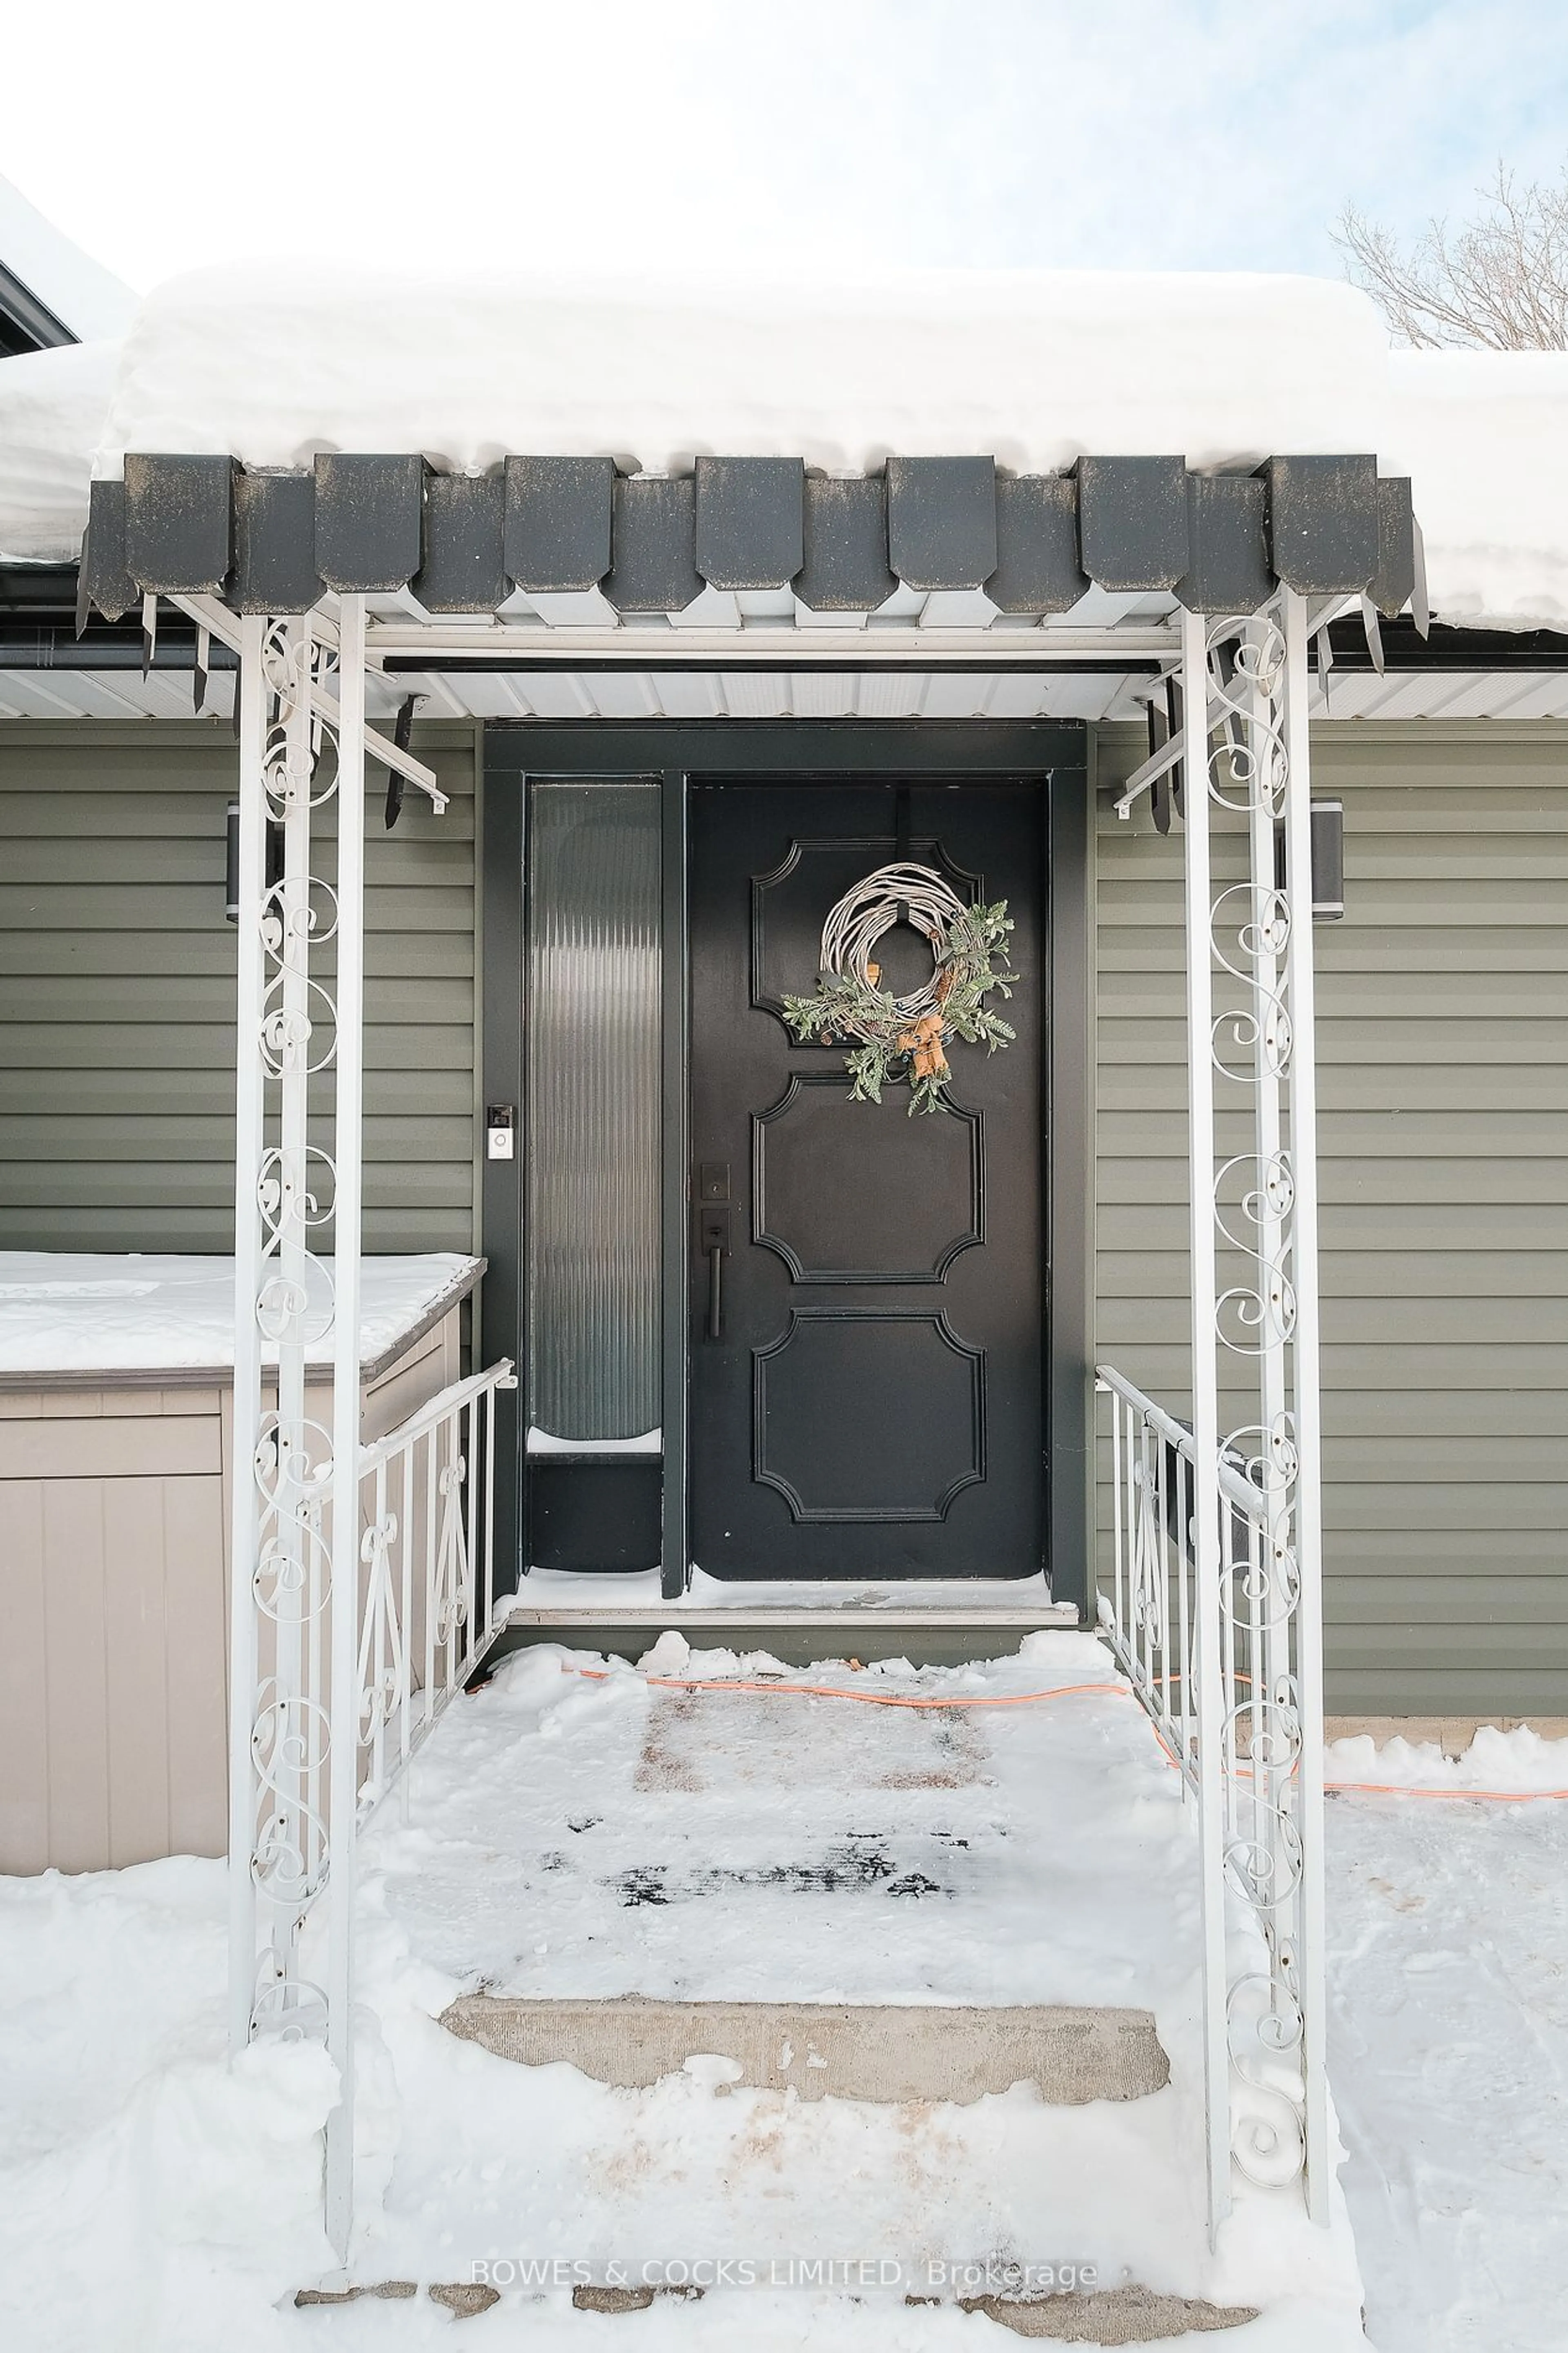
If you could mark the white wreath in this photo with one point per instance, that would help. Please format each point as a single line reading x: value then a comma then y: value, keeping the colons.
x: 871, y: 909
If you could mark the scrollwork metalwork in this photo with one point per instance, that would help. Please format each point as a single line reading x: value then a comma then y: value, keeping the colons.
x: 294, y: 1188
x: 1253, y: 1045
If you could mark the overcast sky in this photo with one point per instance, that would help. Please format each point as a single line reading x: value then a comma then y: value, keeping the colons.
x: 788, y: 134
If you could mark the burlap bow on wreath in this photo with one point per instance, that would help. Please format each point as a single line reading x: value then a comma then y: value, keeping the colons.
x: 907, y: 1037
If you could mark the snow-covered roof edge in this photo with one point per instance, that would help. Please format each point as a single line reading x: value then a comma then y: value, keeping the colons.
x: 1032, y: 369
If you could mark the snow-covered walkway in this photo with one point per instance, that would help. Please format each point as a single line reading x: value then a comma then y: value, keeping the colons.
x: 599, y: 1835
x: 1448, y: 2052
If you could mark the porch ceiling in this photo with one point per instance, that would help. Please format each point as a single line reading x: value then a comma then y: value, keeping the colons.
x: 938, y: 693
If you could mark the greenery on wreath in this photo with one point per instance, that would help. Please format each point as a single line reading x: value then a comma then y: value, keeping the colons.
x: 897, y: 1044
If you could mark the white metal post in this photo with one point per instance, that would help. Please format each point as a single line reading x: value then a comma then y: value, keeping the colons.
x: 1310, y: 1959
x: 1205, y: 1410
x: 1267, y: 1622
x: 348, y: 1142
x: 248, y: 1144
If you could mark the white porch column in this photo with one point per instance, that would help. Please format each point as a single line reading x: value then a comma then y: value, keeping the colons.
x: 1206, y: 1530
x: 348, y: 1143
x: 1312, y: 1959
x: 295, y: 1696
x: 1257, y: 1531
x: 244, y: 1533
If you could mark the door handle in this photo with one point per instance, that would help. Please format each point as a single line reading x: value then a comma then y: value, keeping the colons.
x: 715, y: 1237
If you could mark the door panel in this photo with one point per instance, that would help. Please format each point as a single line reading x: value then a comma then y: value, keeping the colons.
x: 810, y: 1203
x: 870, y: 1401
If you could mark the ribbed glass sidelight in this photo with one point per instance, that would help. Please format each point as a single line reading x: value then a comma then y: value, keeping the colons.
x: 592, y: 1135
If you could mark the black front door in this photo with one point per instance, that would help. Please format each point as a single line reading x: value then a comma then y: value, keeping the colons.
x: 867, y: 1399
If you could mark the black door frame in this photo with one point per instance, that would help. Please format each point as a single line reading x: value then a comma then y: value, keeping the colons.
x: 676, y: 752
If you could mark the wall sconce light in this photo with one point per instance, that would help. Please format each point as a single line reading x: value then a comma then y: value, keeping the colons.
x: 1327, y: 859
x: 231, y: 859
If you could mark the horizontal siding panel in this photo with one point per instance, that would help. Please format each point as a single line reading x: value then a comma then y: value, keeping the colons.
x: 187, y: 863
x: 393, y: 1226
x: 1343, y: 1178
x: 207, y: 1047
x: 1349, y: 1226
x: 1446, y: 1084
x: 1453, y: 1323
x: 1430, y: 990
x: 1419, y: 1369
x: 409, y: 1135
x: 182, y: 907
x: 1403, y: 1135
x: 1391, y: 1691
x: 209, y: 955
x: 209, y: 1184
x: 1462, y: 1599
x: 1492, y: 1274
x: 1445, y: 1551
x: 1475, y: 1414
x: 1449, y: 901
x: 180, y: 1001
x: 123, y: 1095
x: 76, y: 813
x: 1430, y: 1648
x: 1363, y: 952
x: 1450, y: 1460
x: 1357, y: 1555
x: 1486, y: 1507
x: 1386, y: 1042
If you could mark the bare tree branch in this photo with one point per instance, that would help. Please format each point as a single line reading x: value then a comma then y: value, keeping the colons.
x: 1498, y: 282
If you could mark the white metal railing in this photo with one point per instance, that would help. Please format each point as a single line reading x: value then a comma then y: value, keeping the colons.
x: 1238, y: 1737
x: 427, y: 1496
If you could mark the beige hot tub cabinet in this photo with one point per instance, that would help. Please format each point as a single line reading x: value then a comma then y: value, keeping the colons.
x: 114, y: 1528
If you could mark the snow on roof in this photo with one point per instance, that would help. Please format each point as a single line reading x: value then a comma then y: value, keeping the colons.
x: 86, y: 1313
x: 52, y: 407
x: 1034, y: 368
x: 86, y: 298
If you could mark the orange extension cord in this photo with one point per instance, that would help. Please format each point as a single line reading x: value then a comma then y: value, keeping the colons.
x: 1026, y: 1699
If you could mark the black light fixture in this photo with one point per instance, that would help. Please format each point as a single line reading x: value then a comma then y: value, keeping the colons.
x: 231, y: 859
x: 1328, y: 861
x: 1328, y: 820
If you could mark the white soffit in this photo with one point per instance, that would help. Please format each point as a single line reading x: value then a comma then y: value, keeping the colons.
x: 631, y: 693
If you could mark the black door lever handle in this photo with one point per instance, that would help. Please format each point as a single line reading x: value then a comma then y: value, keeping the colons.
x: 715, y: 1236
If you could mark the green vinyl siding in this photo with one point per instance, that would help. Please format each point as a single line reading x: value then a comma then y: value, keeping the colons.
x: 117, y: 995
x: 1443, y: 1085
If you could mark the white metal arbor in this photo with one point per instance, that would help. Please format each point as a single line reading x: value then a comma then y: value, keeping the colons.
x: 1216, y: 1606
x: 355, y: 1607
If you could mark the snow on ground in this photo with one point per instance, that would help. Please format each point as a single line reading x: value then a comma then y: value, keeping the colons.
x: 64, y: 1311
x: 772, y: 1844
x: 1448, y: 2052
x: 567, y: 1833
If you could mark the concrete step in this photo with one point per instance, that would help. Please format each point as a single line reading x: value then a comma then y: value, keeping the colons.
x: 880, y: 2052
x: 1115, y: 2316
